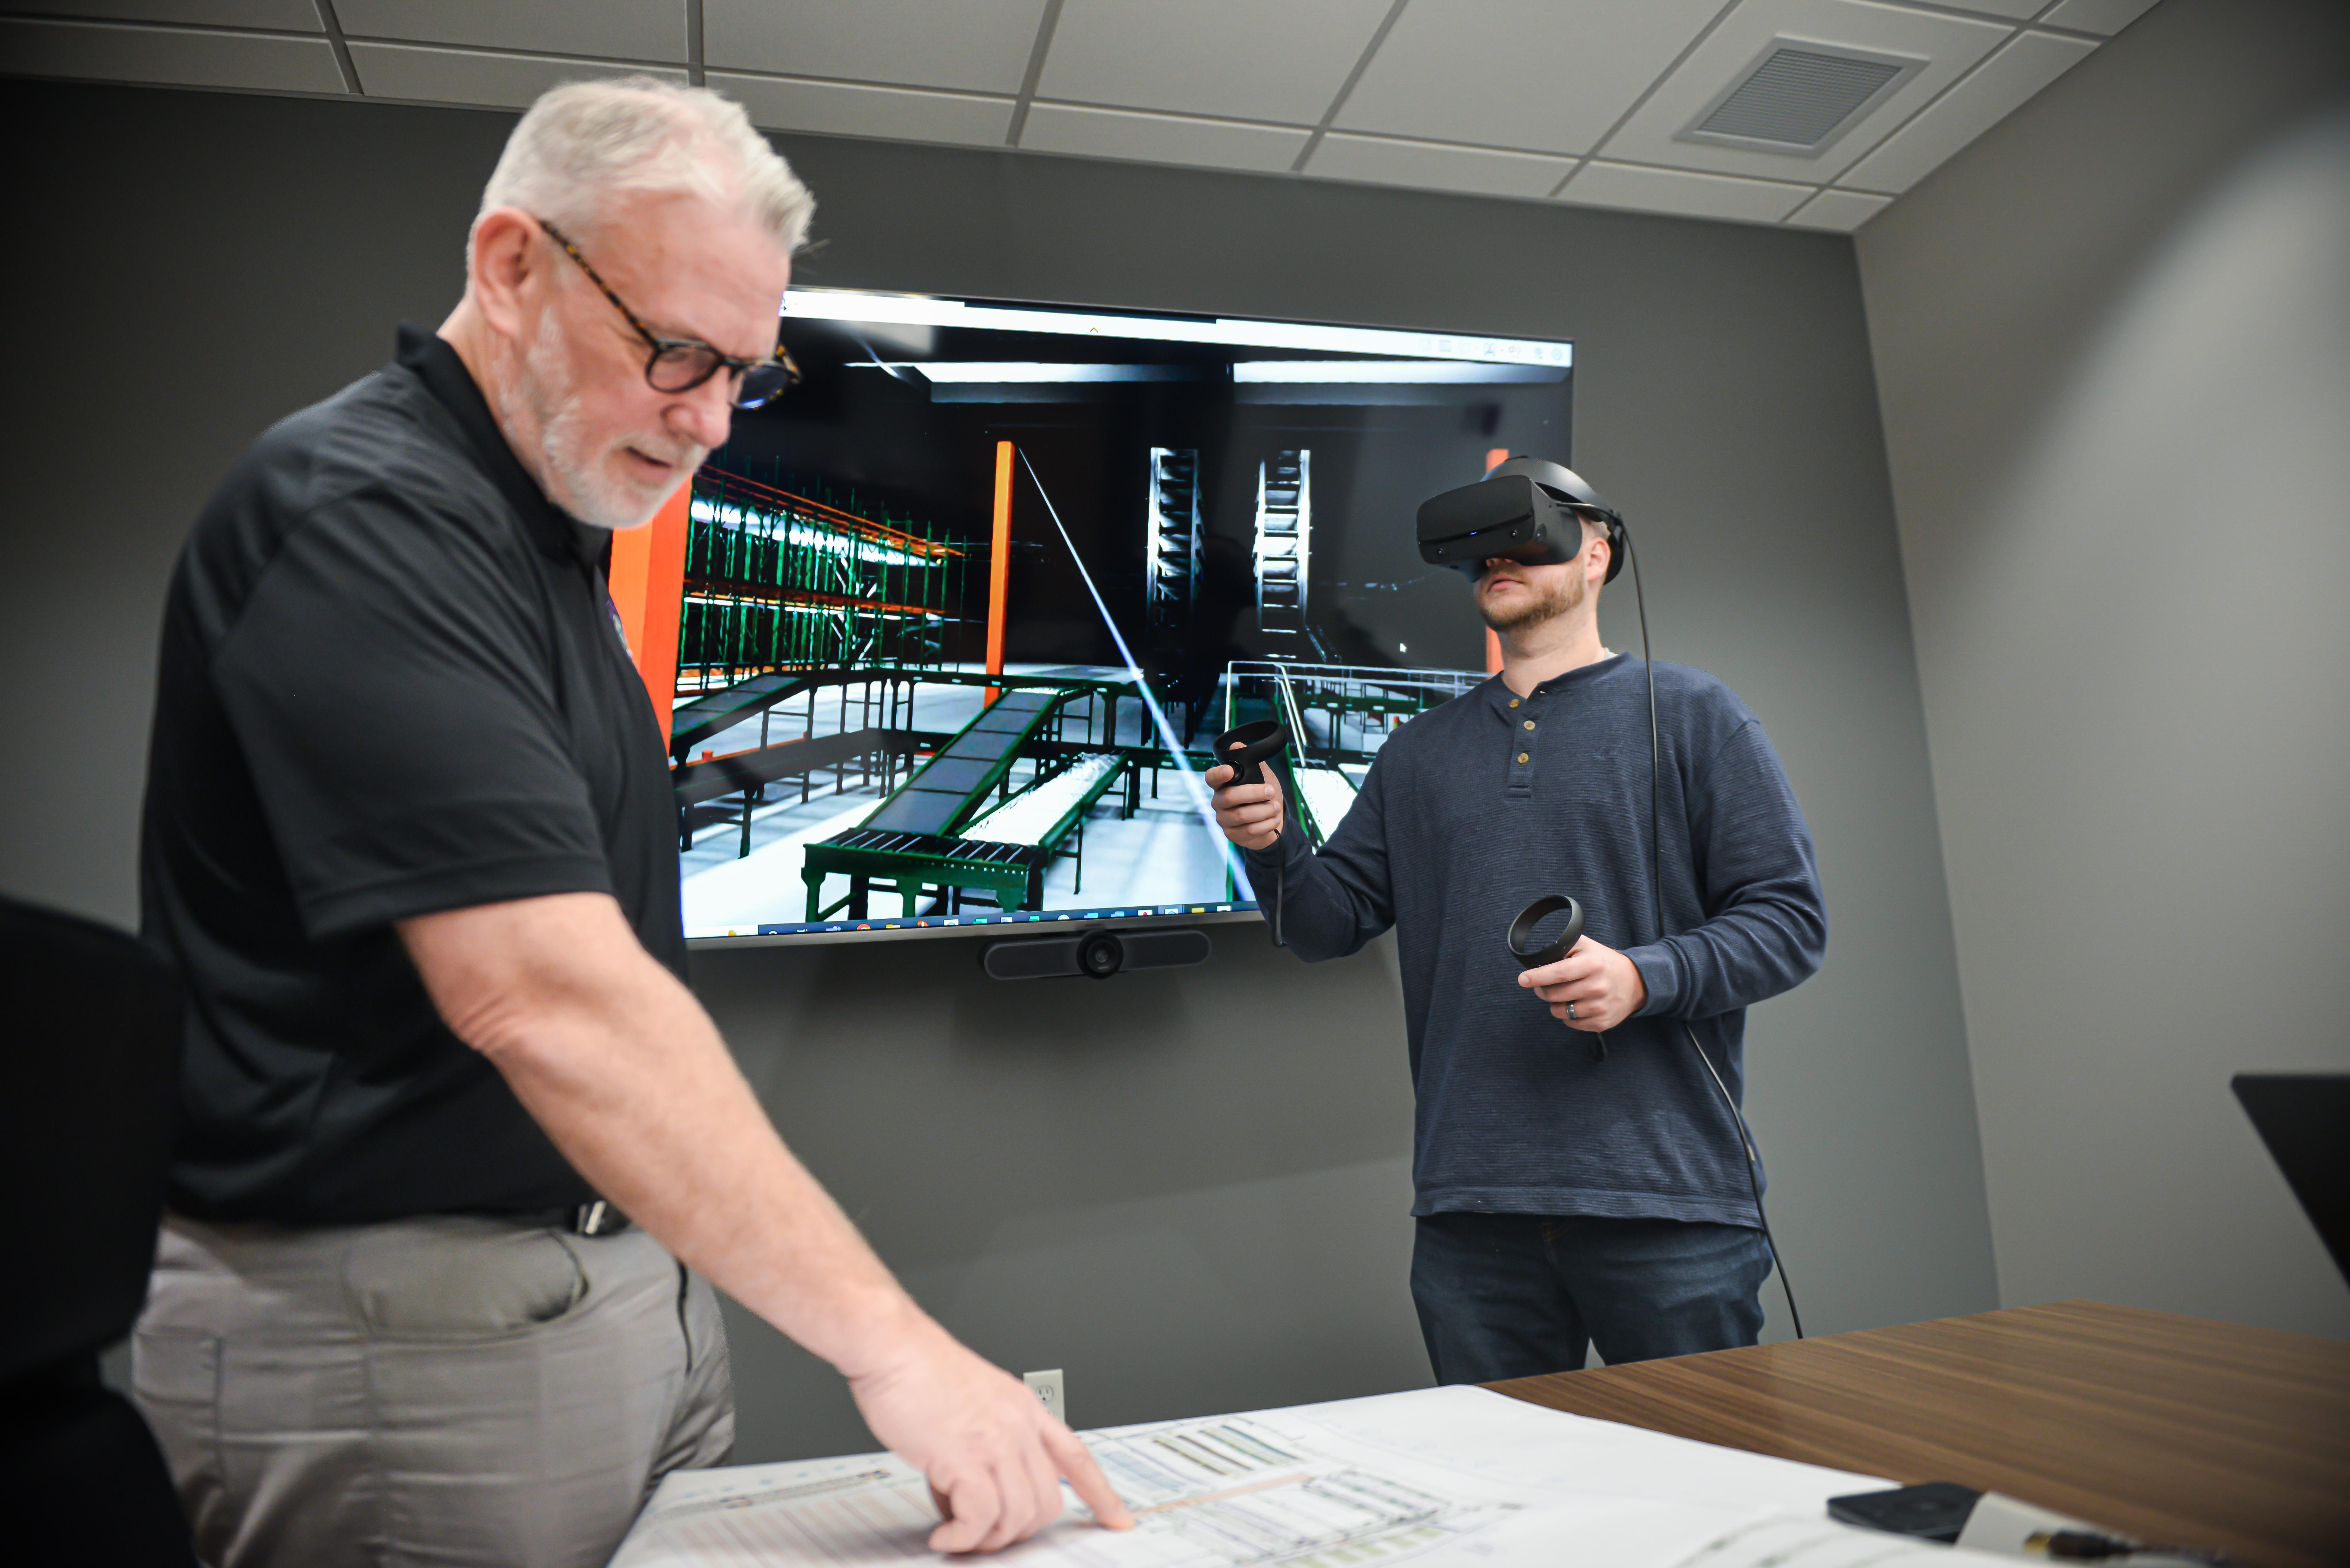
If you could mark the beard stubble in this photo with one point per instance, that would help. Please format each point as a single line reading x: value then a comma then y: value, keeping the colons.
x: 1548, y: 605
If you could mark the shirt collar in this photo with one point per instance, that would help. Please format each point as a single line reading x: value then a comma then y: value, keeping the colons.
x: 1498, y: 695
x: 444, y: 375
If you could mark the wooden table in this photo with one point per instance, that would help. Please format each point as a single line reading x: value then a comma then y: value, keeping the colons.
x: 2173, y: 1429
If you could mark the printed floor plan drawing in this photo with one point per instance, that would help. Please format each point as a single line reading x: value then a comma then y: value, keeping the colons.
x: 1442, y: 1474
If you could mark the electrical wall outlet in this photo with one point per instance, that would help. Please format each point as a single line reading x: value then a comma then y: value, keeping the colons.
x: 1046, y: 1387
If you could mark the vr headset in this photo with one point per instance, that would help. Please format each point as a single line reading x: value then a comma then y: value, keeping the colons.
x: 1526, y: 510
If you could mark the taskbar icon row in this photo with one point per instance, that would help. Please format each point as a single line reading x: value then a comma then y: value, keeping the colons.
x: 1018, y: 918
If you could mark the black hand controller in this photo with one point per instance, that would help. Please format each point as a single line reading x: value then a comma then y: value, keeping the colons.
x: 1258, y: 743
x: 1522, y: 932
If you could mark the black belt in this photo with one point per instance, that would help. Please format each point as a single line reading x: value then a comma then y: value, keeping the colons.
x: 596, y: 1219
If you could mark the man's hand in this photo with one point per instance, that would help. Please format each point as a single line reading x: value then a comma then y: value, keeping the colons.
x: 615, y: 1059
x: 993, y: 1455
x: 1602, y: 985
x: 1250, y: 815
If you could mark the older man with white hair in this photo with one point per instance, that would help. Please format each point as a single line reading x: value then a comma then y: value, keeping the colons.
x: 410, y: 835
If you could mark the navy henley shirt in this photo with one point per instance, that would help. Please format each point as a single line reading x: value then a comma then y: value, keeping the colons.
x: 1473, y: 810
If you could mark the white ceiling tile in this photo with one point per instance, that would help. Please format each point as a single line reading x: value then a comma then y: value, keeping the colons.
x: 100, y: 51
x: 1244, y: 58
x: 272, y: 15
x: 1949, y: 45
x: 851, y: 109
x: 1547, y: 75
x: 2106, y: 16
x: 1967, y: 110
x: 974, y: 45
x: 1425, y: 164
x: 1846, y: 210
x: 1160, y: 138
x: 463, y: 75
x: 1679, y: 191
x: 618, y: 30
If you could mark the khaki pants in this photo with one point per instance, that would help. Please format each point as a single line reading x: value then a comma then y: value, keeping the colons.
x: 449, y: 1391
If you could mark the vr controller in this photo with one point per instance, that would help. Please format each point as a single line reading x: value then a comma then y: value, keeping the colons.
x: 1259, y: 743
x: 1526, y: 509
x: 1521, y: 931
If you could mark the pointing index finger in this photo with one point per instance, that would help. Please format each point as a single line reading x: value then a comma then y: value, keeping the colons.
x: 1077, y: 1462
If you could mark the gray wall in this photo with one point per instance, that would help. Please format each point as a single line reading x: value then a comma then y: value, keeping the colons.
x: 2113, y: 339
x: 1189, y: 1191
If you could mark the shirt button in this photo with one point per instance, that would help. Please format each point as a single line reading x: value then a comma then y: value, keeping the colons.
x: 1522, y: 756
x: 1530, y: 724
x: 1513, y: 701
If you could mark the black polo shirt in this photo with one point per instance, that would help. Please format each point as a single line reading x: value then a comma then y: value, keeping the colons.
x: 391, y: 683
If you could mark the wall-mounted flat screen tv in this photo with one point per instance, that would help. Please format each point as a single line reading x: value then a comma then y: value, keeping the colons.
x: 960, y: 616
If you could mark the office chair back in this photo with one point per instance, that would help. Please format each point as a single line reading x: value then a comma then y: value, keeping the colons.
x: 89, y: 1080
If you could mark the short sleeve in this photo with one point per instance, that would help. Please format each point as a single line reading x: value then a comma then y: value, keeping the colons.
x: 389, y: 685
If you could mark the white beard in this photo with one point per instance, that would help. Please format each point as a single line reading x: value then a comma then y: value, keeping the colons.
x: 576, y: 479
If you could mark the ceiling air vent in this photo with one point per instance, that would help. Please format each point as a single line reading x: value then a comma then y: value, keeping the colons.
x: 1798, y: 96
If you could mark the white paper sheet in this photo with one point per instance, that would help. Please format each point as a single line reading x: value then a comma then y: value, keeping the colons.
x: 1457, y: 1474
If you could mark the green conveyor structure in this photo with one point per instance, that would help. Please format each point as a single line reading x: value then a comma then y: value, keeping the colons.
x: 914, y: 838
x: 947, y: 790
x: 718, y: 712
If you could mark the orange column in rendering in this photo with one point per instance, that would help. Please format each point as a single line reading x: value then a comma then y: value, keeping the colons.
x: 648, y: 583
x: 1493, y: 460
x: 999, y: 565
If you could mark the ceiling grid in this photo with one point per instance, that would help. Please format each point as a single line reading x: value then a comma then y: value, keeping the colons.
x: 341, y: 48
x: 1347, y: 87
x: 1590, y: 102
x: 1036, y: 52
x: 1641, y: 102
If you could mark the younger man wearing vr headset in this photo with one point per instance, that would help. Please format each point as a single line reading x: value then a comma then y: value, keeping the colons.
x: 1585, y: 1187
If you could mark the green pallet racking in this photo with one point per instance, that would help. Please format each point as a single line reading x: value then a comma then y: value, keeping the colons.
x: 778, y: 581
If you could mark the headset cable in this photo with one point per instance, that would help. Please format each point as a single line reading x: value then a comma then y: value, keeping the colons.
x: 1657, y: 894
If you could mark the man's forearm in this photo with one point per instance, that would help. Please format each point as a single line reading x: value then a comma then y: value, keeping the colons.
x: 1318, y: 915
x: 1746, y: 954
x: 1769, y: 931
x: 625, y: 1071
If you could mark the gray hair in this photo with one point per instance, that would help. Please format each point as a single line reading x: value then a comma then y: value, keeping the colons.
x: 583, y: 143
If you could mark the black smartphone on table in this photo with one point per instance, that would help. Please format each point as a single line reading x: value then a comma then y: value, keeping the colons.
x: 1935, y: 1511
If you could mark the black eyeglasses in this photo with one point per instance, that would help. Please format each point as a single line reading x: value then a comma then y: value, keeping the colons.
x: 681, y: 364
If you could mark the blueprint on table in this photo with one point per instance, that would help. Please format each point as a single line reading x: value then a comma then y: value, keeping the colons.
x: 1455, y: 1474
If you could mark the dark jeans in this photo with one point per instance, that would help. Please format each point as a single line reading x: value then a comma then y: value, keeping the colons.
x: 1512, y: 1295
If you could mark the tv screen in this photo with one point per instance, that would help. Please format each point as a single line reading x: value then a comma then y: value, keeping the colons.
x: 960, y: 616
